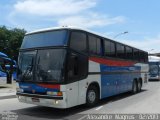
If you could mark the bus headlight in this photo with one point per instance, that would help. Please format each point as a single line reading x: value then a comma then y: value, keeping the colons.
x: 19, y: 90
x: 56, y: 102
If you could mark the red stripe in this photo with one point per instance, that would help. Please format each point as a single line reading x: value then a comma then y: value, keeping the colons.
x: 112, y: 62
x: 50, y: 86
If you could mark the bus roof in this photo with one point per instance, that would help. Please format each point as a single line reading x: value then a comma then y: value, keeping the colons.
x: 77, y: 28
x: 3, y: 55
x: 60, y: 28
x: 154, y: 59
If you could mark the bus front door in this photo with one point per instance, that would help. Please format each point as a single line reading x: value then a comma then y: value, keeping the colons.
x: 77, y: 68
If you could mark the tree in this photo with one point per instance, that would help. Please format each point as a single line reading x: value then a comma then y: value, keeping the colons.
x: 11, y: 40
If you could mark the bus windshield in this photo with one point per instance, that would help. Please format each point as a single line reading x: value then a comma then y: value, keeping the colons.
x: 153, y: 69
x: 45, y: 65
x: 44, y: 39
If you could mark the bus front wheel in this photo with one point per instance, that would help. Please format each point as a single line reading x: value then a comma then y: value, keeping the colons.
x: 92, y: 96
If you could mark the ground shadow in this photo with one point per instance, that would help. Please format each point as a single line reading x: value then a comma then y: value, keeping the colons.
x: 1, y: 87
x: 154, y: 80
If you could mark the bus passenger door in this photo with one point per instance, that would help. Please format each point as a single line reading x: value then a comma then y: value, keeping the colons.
x: 76, y: 71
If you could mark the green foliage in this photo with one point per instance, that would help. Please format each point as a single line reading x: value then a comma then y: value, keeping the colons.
x: 10, y: 41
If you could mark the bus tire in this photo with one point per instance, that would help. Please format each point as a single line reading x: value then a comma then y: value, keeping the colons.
x: 92, y: 96
x: 139, y: 85
x: 134, y: 87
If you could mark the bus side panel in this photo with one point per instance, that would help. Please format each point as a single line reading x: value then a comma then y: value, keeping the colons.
x: 71, y: 91
x: 108, y: 82
x: 118, y: 79
x: 144, y: 73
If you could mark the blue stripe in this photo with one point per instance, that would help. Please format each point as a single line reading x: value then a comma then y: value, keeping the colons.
x: 113, y: 84
x: 28, y: 87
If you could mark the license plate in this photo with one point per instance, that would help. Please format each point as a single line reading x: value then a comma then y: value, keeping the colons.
x: 35, y: 99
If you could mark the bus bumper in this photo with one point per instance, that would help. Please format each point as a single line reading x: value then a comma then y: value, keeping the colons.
x: 43, y: 100
x: 154, y: 78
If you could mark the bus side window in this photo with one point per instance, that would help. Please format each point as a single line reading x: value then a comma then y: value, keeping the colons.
x: 136, y: 54
x: 94, y: 45
x: 129, y: 53
x: 110, y: 50
x: 77, y: 67
x: 120, y: 51
x: 78, y: 41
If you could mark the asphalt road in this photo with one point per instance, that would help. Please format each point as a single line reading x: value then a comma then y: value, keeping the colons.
x: 147, y: 101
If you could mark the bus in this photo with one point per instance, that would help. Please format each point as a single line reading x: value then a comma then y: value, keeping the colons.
x: 154, y: 68
x: 3, y: 79
x: 5, y: 66
x: 65, y: 67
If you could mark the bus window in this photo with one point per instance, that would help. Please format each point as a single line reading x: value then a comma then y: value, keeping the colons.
x: 142, y: 56
x: 136, y: 54
x: 109, y: 48
x: 129, y: 53
x: 94, y: 45
x: 50, y: 69
x: 146, y: 57
x: 48, y: 38
x: 113, y: 49
x: 120, y: 51
x: 26, y: 61
x: 77, y: 66
x: 78, y: 41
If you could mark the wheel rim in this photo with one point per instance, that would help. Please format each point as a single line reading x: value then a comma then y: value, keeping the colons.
x: 91, y: 96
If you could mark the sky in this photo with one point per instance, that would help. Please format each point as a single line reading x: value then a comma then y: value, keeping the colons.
x: 111, y: 18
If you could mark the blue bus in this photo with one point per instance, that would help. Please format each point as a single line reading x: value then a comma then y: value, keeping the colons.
x: 5, y: 63
x: 65, y: 67
x: 3, y: 77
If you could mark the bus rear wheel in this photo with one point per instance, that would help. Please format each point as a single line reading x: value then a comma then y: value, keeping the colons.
x: 134, y: 87
x: 92, y: 96
x: 139, y: 86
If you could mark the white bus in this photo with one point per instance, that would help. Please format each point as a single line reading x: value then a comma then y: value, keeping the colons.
x: 154, y: 68
x: 65, y: 67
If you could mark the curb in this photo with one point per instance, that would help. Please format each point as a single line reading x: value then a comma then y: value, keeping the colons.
x: 7, y: 97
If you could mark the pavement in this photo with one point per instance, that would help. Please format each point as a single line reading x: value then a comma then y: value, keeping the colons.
x: 8, y: 90
x: 145, y: 102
